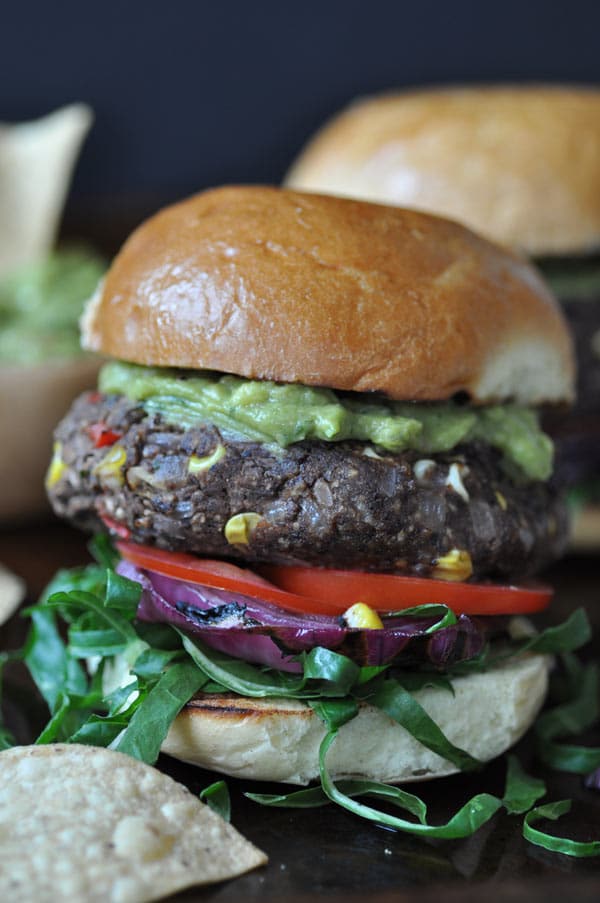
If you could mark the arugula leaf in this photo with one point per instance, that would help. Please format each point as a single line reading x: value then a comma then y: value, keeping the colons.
x: 89, y: 602
x: 562, y: 638
x: 242, y: 678
x: 368, y: 672
x: 150, y: 723
x: 217, y: 797
x: 310, y: 798
x: 316, y: 796
x: 392, y: 698
x: 158, y: 636
x: 54, y: 670
x: 70, y: 712
x: 465, y: 822
x: 338, y: 671
x: 571, y: 718
x: 564, y: 845
x: 103, y: 730
x: 90, y: 577
x: 335, y: 712
x: 122, y: 594
x: 152, y: 662
x: 85, y: 641
x: 566, y: 637
x: 445, y: 615
x: 522, y: 790
x: 418, y: 680
x: 119, y: 699
x: 103, y: 617
x: 102, y: 549
x: 100, y: 730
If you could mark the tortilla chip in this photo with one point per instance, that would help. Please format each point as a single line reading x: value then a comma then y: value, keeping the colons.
x: 12, y: 593
x: 79, y: 823
x: 36, y: 164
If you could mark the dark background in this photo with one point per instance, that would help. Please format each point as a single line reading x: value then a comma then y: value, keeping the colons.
x: 191, y: 94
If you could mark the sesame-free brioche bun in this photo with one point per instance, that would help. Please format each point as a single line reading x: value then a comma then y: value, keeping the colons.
x: 278, y: 739
x: 274, y: 284
x: 519, y: 164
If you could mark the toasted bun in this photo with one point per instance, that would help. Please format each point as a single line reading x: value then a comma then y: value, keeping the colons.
x: 518, y: 164
x: 33, y: 398
x: 272, y: 284
x: 278, y: 739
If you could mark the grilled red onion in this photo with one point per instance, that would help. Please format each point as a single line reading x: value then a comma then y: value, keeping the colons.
x: 263, y: 633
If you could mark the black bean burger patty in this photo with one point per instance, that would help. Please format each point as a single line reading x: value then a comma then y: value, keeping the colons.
x: 333, y: 504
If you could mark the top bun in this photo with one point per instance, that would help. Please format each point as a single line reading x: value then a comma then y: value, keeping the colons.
x: 274, y: 284
x: 520, y: 165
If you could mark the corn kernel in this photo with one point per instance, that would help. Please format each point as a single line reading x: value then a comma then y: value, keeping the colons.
x: 110, y: 467
x: 199, y: 465
x: 238, y: 528
x: 56, y: 467
x: 360, y: 615
x: 455, y: 565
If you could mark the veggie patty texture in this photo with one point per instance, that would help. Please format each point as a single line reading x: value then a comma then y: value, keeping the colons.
x: 341, y: 504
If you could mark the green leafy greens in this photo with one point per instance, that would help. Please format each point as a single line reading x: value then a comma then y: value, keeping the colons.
x: 118, y: 682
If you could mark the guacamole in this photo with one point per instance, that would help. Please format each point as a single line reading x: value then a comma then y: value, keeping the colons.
x: 281, y: 414
x: 40, y: 306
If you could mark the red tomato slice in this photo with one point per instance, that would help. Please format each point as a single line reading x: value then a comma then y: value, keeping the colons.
x: 224, y: 576
x: 389, y: 592
x: 313, y: 590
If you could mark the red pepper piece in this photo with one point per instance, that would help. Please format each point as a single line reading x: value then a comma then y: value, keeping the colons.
x: 100, y: 434
x: 115, y: 527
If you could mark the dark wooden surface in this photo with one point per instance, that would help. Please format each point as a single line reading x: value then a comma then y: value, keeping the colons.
x: 328, y: 853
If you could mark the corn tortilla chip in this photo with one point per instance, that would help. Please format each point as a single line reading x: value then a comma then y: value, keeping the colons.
x: 79, y: 823
x: 12, y: 593
x: 36, y: 164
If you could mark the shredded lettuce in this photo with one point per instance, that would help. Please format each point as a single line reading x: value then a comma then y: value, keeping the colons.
x: 217, y: 797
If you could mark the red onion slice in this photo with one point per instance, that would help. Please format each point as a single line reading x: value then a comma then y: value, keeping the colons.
x: 262, y: 633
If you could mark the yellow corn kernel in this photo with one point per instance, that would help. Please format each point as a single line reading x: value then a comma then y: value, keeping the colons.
x: 501, y: 500
x: 110, y: 467
x: 455, y: 565
x: 360, y: 615
x: 56, y: 467
x: 238, y: 528
x: 199, y: 465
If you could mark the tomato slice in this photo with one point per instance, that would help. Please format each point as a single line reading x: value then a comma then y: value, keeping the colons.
x: 224, y: 576
x: 328, y: 591
x: 390, y: 592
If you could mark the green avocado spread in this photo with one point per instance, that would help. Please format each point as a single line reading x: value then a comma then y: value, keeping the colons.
x: 40, y: 306
x: 282, y: 414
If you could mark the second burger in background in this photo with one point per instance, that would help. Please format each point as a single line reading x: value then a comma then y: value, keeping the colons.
x: 520, y: 165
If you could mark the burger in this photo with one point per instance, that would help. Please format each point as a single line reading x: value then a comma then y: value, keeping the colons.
x: 316, y: 447
x: 520, y: 165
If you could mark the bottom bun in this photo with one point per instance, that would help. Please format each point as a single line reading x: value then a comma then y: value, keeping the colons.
x: 278, y: 739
